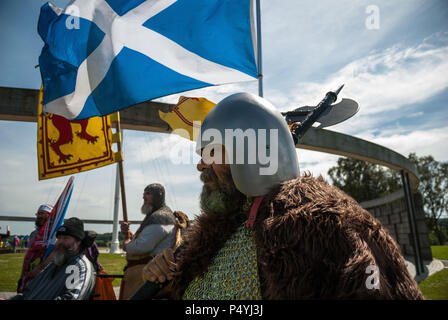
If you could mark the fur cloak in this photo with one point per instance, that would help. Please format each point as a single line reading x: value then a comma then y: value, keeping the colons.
x: 313, y: 242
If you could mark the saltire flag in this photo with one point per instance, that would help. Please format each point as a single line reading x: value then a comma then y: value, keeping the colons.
x: 44, y: 241
x: 101, y: 56
x: 186, y: 117
x: 66, y: 147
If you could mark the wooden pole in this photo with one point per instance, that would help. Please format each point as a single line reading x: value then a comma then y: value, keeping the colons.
x: 120, y: 169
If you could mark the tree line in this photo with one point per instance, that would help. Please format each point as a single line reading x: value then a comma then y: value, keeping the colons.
x: 364, y: 181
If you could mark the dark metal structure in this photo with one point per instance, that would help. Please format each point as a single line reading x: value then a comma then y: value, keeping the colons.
x: 410, y: 205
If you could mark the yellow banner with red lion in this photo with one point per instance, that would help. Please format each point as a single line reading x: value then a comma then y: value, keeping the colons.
x: 66, y: 147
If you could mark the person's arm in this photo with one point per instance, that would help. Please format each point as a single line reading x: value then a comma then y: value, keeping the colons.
x: 40, y: 267
x: 127, y: 233
x: 31, y: 238
x: 149, y: 238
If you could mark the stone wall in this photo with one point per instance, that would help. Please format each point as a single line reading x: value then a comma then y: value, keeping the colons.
x: 392, y: 213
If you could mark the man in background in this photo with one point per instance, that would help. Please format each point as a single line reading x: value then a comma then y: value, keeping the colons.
x: 15, y: 243
x: 42, y: 214
x: 156, y: 233
x: 70, y: 276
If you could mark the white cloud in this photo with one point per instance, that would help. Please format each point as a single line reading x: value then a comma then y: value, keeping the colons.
x: 11, y: 163
x: 305, y: 42
x: 317, y: 163
x: 428, y: 142
x: 403, y: 77
x: 381, y: 82
x: 415, y: 114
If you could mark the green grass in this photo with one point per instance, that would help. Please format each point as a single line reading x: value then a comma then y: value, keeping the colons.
x: 433, y: 288
x: 113, y: 264
x: 440, y: 252
x: 436, y: 286
x: 11, y: 267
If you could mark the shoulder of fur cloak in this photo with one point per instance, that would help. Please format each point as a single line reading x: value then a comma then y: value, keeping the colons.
x: 315, y: 242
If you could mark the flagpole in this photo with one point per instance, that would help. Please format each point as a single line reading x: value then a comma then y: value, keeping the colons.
x: 260, y: 72
x: 120, y: 169
x: 115, y: 244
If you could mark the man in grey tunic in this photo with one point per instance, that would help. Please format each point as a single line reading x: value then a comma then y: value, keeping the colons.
x: 156, y: 233
x: 71, y: 275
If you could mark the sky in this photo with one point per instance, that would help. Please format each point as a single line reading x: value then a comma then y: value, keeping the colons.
x: 395, y: 67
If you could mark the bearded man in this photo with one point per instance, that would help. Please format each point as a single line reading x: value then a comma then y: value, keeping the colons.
x: 156, y: 233
x: 42, y: 214
x: 275, y: 234
x: 70, y: 275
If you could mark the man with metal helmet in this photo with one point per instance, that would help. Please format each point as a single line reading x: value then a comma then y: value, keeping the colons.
x: 156, y: 233
x: 265, y: 232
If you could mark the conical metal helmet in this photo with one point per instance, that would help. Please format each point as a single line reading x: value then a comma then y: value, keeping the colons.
x: 257, y: 141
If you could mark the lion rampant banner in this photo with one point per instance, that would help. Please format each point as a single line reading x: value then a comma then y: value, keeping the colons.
x: 66, y: 147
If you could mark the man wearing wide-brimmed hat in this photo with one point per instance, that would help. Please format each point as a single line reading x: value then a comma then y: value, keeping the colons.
x: 70, y: 276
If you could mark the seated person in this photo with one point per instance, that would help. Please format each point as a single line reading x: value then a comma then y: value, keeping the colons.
x: 71, y: 275
x: 91, y: 250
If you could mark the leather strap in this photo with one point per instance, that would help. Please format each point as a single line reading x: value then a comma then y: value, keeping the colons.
x: 253, y: 212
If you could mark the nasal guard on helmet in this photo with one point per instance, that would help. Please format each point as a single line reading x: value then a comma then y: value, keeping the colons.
x: 258, y: 144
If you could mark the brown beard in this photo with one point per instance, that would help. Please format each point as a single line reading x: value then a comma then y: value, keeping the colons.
x: 225, y: 198
x: 211, y: 229
x: 39, y: 222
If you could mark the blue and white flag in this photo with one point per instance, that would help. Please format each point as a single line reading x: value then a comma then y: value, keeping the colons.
x: 58, y: 216
x: 101, y: 56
